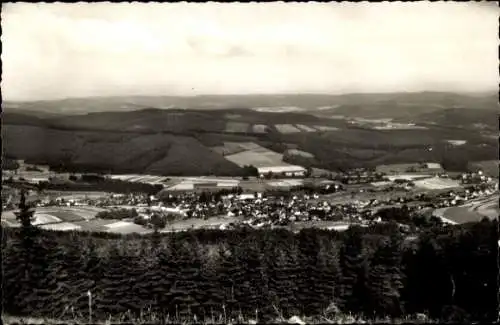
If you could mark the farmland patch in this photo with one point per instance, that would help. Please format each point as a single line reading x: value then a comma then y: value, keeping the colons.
x: 461, y: 215
x: 124, y: 227
x: 325, y: 128
x: 67, y: 216
x: 286, y: 183
x: 286, y: 128
x: 63, y: 226
x: 409, y: 177
x: 260, y: 128
x: 256, y: 155
x: 457, y: 142
x: 277, y: 109
x: 236, y: 127
x: 44, y: 218
x: 436, y: 183
x: 305, y: 128
x: 257, y: 159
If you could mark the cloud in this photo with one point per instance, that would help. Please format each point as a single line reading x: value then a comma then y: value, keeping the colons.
x: 86, y: 49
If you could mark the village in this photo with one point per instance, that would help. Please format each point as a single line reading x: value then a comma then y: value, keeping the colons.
x: 330, y: 201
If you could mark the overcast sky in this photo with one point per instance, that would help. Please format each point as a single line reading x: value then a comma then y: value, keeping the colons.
x: 100, y: 49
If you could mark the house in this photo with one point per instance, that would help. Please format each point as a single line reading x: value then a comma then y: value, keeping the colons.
x: 283, y: 171
x: 431, y: 165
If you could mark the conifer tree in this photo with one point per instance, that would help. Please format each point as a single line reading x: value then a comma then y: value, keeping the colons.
x: 354, y: 271
x: 30, y: 257
x: 385, y: 279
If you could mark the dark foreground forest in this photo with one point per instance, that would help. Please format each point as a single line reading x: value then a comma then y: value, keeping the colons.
x: 448, y: 273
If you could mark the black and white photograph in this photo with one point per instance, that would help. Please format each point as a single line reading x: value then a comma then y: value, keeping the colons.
x: 250, y: 163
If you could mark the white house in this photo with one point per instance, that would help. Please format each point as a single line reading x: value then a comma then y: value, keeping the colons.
x: 288, y: 171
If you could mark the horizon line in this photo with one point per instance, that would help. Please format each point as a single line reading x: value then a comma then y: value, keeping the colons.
x: 477, y: 92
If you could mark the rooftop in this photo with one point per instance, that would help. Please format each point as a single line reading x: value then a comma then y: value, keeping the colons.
x: 281, y: 169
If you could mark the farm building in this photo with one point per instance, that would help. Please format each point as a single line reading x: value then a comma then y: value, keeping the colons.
x: 287, y: 171
x: 214, y: 186
x: 36, y: 180
x: 433, y: 166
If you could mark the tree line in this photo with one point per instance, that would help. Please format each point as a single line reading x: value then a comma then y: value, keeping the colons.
x: 447, y: 272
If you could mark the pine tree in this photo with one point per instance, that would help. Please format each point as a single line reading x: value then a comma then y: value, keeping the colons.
x: 283, y: 272
x: 30, y: 261
x: 209, y: 293
x: 111, y: 295
x: 183, y: 290
x: 231, y: 275
x: 328, y: 274
x: 25, y: 214
x: 385, y: 278
x: 353, y: 266
x: 254, y: 287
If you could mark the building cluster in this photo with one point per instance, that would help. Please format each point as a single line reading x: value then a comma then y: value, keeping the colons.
x: 258, y: 210
x: 475, y: 178
x: 361, y: 176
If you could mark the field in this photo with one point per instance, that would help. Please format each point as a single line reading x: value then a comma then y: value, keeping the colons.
x: 236, y: 127
x: 260, y: 128
x: 305, y: 128
x: 257, y: 156
x: 487, y: 207
x: 124, y: 227
x: 409, y: 177
x: 214, y: 222
x: 286, y: 128
x: 188, y: 183
x: 56, y: 215
x: 62, y: 226
x: 325, y: 128
x: 148, y: 179
x: 74, y: 218
x: 286, y: 183
x: 284, y: 109
x: 471, y: 212
x: 436, y: 183
x: 399, y: 126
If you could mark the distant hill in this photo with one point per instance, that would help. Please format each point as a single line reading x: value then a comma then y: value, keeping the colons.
x: 156, y: 140
x: 462, y: 117
x: 213, y: 102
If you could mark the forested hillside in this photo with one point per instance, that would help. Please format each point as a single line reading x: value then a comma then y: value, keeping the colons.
x: 178, y: 142
x: 449, y: 273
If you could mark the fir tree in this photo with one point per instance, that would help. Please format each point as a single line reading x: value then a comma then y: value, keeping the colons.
x: 385, y: 279
x: 354, y: 271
